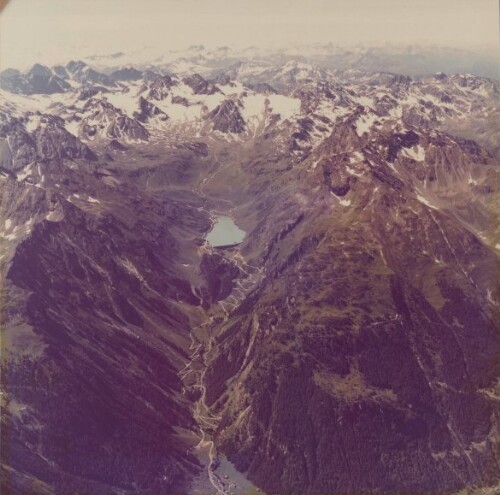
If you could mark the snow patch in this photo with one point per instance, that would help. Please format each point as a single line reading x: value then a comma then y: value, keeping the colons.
x: 20, y: 104
x: 72, y: 127
x: 332, y: 112
x: 25, y: 172
x: 356, y: 156
x: 342, y: 201
x: 234, y: 87
x: 253, y: 107
x: 33, y: 123
x: 426, y: 202
x: 130, y: 268
x: 351, y: 171
x: 315, y: 164
x: 83, y: 197
x: 417, y: 153
x: 365, y: 101
x: 180, y: 113
x: 126, y: 101
x: 364, y: 123
x: 210, y: 101
x: 54, y: 216
x: 285, y: 106
x: 19, y: 231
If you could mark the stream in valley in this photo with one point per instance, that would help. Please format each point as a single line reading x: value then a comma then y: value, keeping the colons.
x: 220, y: 476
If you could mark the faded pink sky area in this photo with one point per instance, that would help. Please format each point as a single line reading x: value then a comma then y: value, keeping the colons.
x: 53, y: 30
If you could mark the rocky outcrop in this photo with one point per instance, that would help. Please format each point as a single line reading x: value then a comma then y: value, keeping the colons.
x: 263, y: 88
x: 399, y: 141
x: 219, y: 275
x: 199, y: 149
x: 84, y: 74
x: 179, y: 100
x: 49, y: 141
x: 126, y: 74
x: 101, y: 118
x: 18, y: 147
x: 54, y: 143
x: 38, y: 80
x: 159, y: 87
x: 199, y: 85
x: 61, y: 71
x: 116, y: 145
x: 227, y: 117
x: 148, y: 111
x: 89, y: 92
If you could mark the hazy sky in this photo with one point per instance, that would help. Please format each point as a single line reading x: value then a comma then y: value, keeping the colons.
x: 56, y: 30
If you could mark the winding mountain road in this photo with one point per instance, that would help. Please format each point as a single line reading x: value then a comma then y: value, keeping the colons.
x: 197, y: 366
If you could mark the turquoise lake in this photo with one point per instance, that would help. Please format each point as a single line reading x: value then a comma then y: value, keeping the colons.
x: 225, y: 232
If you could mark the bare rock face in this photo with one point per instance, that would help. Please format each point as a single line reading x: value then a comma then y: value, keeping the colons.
x: 399, y: 141
x: 336, y: 181
x: 199, y: 149
x: 91, y: 91
x: 38, y: 80
x: 219, y: 275
x: 126, y: 74
x: 149, y: 111
x: 84, y: 74
x: 199, y: 85
x: 18, y: 147
x: 101, y: 118
x: 48, y: 142
x: 227, y: 117
x: 179, y: 100
x: 116, y: 145
x: 263, y: 88
x: 159, y: 87
x: 55, y: 143
x: 128, y: 128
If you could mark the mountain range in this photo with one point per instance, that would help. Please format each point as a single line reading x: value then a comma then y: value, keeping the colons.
x: 349, y: 344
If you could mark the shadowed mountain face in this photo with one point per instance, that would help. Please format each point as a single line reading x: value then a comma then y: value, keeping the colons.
x: 38, y: 80
x: 95, y: 325
x: 348, y: 345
